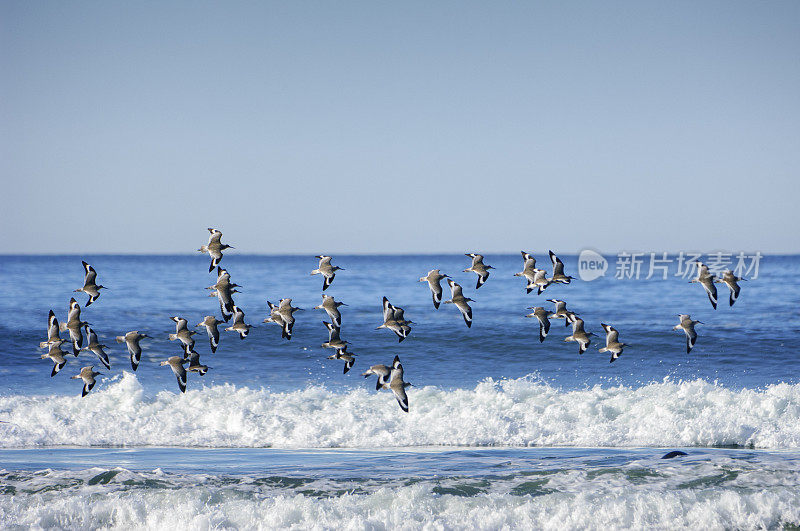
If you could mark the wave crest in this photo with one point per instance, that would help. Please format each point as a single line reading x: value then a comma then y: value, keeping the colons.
x: 518, y: 413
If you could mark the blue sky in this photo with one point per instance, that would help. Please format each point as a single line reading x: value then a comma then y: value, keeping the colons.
x: 307, y: 127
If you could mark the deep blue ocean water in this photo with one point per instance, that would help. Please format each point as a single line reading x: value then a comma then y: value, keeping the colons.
x: 503, y: 430
x: 748, y: 345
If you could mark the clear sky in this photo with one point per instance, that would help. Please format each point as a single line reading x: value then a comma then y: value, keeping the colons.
x: 307, y: 127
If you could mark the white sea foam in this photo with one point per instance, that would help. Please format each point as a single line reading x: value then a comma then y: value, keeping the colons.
x: 52, y: 499
x: 507, y: 413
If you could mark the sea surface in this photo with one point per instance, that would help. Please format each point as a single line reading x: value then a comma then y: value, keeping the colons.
x: 503, y: 431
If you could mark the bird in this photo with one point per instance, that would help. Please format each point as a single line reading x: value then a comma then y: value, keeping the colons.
x: 94, y: 346
x: 400, y: 317
x: 540, y: 281
x: 528, y: 260
x: 238, y: 326
x: 558, y: 270
x: 286, y: 311
x: 223, y: 289
x: 457, y: 297
x: 334, y: 341
x: 331, y: 307
x: 390, y: 322
x: 131, y: 340
x: 325, y: 269
x: 211, y: 323
x: 90, y: 286
x: 570, y: 316
x: 397, y: 386
x: 382, y: 372
x: 194, y: 363
x: 53, y: 331
x: 706, y: 279
x: 398, y: 314
x: 544, y: 323
x: 226, y: 304
x: 731, y: 280
x: 479, y: 268
x: 87, y: 374
x: 528, y: 270
x: 223, y: 280
x: 182, y: 333
x: 342, y: 354
x: 75, y: 326
x: 433, y: 279
x: 612, y: 342
x: 687, y: 325
x: 275, y: 317
x: 579, y: 335
x: 214, y: 248
x: 176, y: 364
x: 57, y: 356
x: 561, y: 311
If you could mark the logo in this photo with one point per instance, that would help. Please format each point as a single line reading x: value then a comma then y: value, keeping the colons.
x: 591, y: 265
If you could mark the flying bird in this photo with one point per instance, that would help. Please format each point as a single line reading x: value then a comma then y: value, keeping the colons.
x: 286, y: 311
x: 579, y: 335
x: 528, y: 270
x: 211, y: 323
x: 731, y: 280
x: 479, y: 268
x: 558, y: 270
x: 194, y: 364
x: 433, y: 279
x: 397, y: 386
x: 561, y: 311
x: 275, y: 317
x: 87, y: 374
x: 460, y: 301
x: 53, y: 331
x: 706, y: 279
x: 214, y: 248
x: 90, y: 286
x: 612, y: 342
x: 75, y: 326
x: 687, y: 325
x: 334, y: 341
x: 57, y: 356
x: 331, y: 307
x: 348, y: 357
x: 539, y: 282
x: 382, y: 372
x: 176, y: 364
x: 238, y: 326
x: 131, y: 340
x: 327, y: 270
x: 182, y: 333
x: 94, y: 346
x: 224, y: 290
x: 391, y: 323
x: 544, y: 323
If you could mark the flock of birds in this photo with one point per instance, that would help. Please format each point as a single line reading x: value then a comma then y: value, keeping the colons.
x: 282, y: 314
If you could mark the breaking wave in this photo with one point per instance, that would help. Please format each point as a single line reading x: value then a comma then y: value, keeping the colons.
x: 517, y: 413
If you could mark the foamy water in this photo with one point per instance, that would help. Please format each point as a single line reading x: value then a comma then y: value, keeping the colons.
x: 521, y: 412
x: 718, y: 493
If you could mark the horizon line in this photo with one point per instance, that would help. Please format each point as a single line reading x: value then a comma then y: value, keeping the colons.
x: 423, y: 253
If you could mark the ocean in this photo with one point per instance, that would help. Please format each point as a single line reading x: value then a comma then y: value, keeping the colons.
x: 503, y: 431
